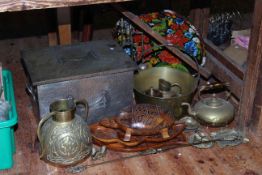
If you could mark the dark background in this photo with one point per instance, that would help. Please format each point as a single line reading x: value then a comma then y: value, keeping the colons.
x: 40, y: 22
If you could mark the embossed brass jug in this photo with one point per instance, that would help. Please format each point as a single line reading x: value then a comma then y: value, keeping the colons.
x: 64, y: 136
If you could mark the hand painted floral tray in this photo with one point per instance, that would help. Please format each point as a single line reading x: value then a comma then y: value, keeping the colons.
x: 174, y: 28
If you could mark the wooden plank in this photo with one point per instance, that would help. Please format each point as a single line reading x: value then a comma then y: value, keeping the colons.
x: 253, y: 72
x: 64, y: 32
x: 222, y: 73
x: 257, y: 113
x: 199, y: 18
x: 52, y: 39
x: 199, y: 159
x: 257, y: 110
x: 224, y: 59
x: 241, y: 159
x: 194, y: 16
x: 256, y: 120
x: 64, y: 25
x: 205, y: 15
x: 135, y: 19
x: 199, y: 14
x: 21, y: 5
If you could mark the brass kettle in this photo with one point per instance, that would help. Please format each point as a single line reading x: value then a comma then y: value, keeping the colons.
x: 64, y: 136
x: 212, y: 111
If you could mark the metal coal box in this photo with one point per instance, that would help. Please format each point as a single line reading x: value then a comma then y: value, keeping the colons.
x: 98, y: 71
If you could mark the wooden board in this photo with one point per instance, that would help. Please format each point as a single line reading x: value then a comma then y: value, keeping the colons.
x: 21, y: 5
x: 253, y: 74
x: 199, y: 18
x: 64, y: 25
x: 52, y: 39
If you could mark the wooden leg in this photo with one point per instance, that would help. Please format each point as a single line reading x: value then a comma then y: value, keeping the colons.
x: 52, y: 39
x: 64, y: 25
x: 63, y: 36
x: 64, y: 32
x: 87, y: 32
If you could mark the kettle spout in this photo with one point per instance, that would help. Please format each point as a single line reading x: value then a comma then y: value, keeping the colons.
x: 189, y: 109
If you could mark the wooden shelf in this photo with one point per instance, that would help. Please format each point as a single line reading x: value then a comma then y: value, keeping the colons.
x: 21, y: 5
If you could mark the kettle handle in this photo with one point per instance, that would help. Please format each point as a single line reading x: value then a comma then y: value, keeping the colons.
x: 213, y: 86
x: 85, y: 103
x: 42, y: 121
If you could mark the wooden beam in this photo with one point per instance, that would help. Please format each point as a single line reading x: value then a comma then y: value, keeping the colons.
x: 253, y: 74
x: 21, y: 5
x: 255, y: 121
x: 135, y: 20
x: 224, y: 59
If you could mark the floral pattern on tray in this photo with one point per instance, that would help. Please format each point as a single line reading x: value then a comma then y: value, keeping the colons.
x: 175, y: 29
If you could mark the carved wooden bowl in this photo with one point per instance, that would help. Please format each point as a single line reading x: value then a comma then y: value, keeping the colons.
x: 144, y: 119
x: 109, y: 137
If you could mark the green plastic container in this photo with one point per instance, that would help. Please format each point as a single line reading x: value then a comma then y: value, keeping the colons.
x: 7, y: 139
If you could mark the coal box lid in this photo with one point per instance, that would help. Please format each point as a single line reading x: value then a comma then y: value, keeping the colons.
x: 61, y: 63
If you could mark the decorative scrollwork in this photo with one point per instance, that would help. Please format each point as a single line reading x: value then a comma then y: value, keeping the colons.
x: 67, y: 142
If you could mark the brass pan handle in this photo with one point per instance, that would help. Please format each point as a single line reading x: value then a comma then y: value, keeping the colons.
x: 213, y: 86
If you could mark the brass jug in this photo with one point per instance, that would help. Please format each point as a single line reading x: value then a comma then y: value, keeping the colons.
x: 64, y: 136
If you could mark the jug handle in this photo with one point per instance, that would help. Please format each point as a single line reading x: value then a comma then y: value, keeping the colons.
x: 42, y: 121
x: 85, y: 103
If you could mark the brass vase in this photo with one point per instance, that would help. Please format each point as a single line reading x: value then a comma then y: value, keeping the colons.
x: 64, y: 137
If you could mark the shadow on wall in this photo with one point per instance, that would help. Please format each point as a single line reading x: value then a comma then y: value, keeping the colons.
x: 26, y: 23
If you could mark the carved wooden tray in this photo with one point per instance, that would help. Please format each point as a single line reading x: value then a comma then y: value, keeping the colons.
x: 109, y: 136
x: 179, y: 140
